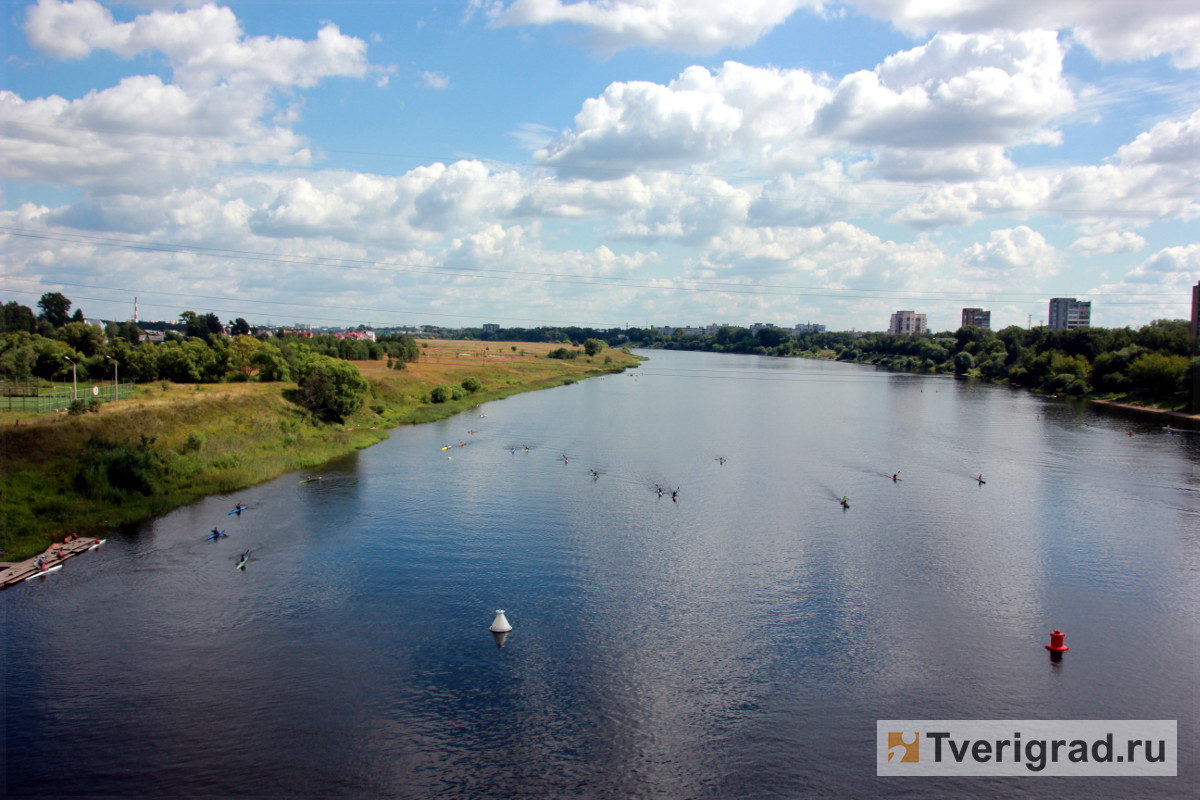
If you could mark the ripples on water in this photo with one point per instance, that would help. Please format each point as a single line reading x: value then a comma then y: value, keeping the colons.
x: 738, y: 642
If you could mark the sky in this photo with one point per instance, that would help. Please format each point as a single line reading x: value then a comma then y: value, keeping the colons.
x: 602, y: 163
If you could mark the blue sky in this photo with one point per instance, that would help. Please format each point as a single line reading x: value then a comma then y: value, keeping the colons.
x: 602, y: 163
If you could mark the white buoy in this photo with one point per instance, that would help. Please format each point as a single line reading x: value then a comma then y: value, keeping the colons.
x: 500, y: 623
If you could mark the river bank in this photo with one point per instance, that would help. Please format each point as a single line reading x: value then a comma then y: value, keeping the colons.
x: 170, y: 444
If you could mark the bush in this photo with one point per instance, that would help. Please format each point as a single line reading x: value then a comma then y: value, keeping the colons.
x: 441, y: 393
x: 110, y: 468
x: 472, y: 384
x: 563, y: 352
x: 333, y: 389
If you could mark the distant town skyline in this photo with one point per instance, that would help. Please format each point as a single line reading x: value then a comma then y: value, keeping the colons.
x: 600, y: 164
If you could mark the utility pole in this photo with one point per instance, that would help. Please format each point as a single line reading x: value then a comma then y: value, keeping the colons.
x: 74, y: 379
x: 115, y: 384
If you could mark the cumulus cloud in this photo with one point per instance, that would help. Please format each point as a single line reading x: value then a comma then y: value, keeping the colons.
x: 203, y: 45
x: 1111, y: 29
x: 1019, y: 251
x: 1109, y: 242
x: 697, y: 27
x: 1162, y: 284
x: 956, y: 90
x: 969, y: 95
x: 1155, y: 177
x: 221, y: 104
x: 1174, y: 143
x: 836, y: 256
x: 815, y: 198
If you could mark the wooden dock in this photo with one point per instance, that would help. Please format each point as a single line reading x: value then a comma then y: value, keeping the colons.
x: 13, y: 572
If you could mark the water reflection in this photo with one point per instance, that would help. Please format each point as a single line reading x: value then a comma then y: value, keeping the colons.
x: 739, y: 640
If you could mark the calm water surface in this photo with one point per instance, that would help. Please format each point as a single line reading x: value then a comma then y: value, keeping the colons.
x: 739, y: 641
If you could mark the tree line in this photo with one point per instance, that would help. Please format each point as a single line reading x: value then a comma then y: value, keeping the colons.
x: 55, y: 345
x: 1154, y: 364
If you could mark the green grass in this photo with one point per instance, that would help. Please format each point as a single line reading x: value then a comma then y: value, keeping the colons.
x: 219, y: 438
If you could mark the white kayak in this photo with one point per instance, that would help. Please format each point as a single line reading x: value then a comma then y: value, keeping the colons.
x: 55, y: 568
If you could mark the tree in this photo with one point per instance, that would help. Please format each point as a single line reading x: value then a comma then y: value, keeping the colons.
x: 241, y: 352
x: 772, y: 337
x: 472, y: 384
x: 129, y: 331
x: 1158, y: 372
x: 17, y: 318
x: 592, y: 346
x: 17, y: 355
x: 55, y: 308
x: 87, y: 339
x: 963, y: 362
x: 271, y: 364
x: 332, y: 389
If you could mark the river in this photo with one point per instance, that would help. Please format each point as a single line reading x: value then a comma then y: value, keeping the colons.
x: 737, y: 641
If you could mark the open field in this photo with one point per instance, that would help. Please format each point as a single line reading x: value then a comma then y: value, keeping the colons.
x: 174, y: 443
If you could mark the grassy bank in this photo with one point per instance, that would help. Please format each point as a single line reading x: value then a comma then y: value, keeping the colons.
x: 171, y: 444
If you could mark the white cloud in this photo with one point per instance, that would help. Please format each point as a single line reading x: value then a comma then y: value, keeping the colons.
x: 957, y: 90
x: 640, y: 123
x: 204, y: 45
x: 1012, y: 253
x: 816, y: 198
x: 1162, y: 284
x: 962, y: 96
x: 697, y: 27
x: 1109, y: 242
x: 964, y: 203
x: 1173, y: 143
x: 435, y: 80
x: 1112, y: 29
x: 145, y: 134
x: 836, y: 256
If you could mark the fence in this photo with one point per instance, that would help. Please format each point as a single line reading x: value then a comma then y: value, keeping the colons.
x: 42, y: 400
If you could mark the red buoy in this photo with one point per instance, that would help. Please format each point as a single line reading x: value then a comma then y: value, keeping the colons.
x: 1056, y: 642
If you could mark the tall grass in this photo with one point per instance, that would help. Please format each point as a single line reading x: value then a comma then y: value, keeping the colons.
x: 220, y: 438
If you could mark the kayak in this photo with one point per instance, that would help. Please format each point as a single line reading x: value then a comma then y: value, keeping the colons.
x: 97, y: 544
x: 310, y: 480
x: 44, y: 572
x: 216, y: 535
x: 242, y: 563
x: 238, y: 511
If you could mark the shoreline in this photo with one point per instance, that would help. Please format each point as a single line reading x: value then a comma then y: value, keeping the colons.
x: 211, y: 439
x: 1162, y: 412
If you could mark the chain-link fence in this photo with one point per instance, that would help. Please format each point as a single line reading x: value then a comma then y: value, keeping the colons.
x: 41, y: 399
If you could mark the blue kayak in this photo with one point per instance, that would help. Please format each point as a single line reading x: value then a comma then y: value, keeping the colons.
x: 216, y: 535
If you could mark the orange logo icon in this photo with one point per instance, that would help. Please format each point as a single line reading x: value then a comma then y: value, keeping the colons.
x: 904, y: 747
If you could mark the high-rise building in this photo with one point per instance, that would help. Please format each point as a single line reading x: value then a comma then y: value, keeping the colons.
x: 1067, y: 313
x: 977, y: 317
x: 1195, y: 315
x: 907, y: 322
